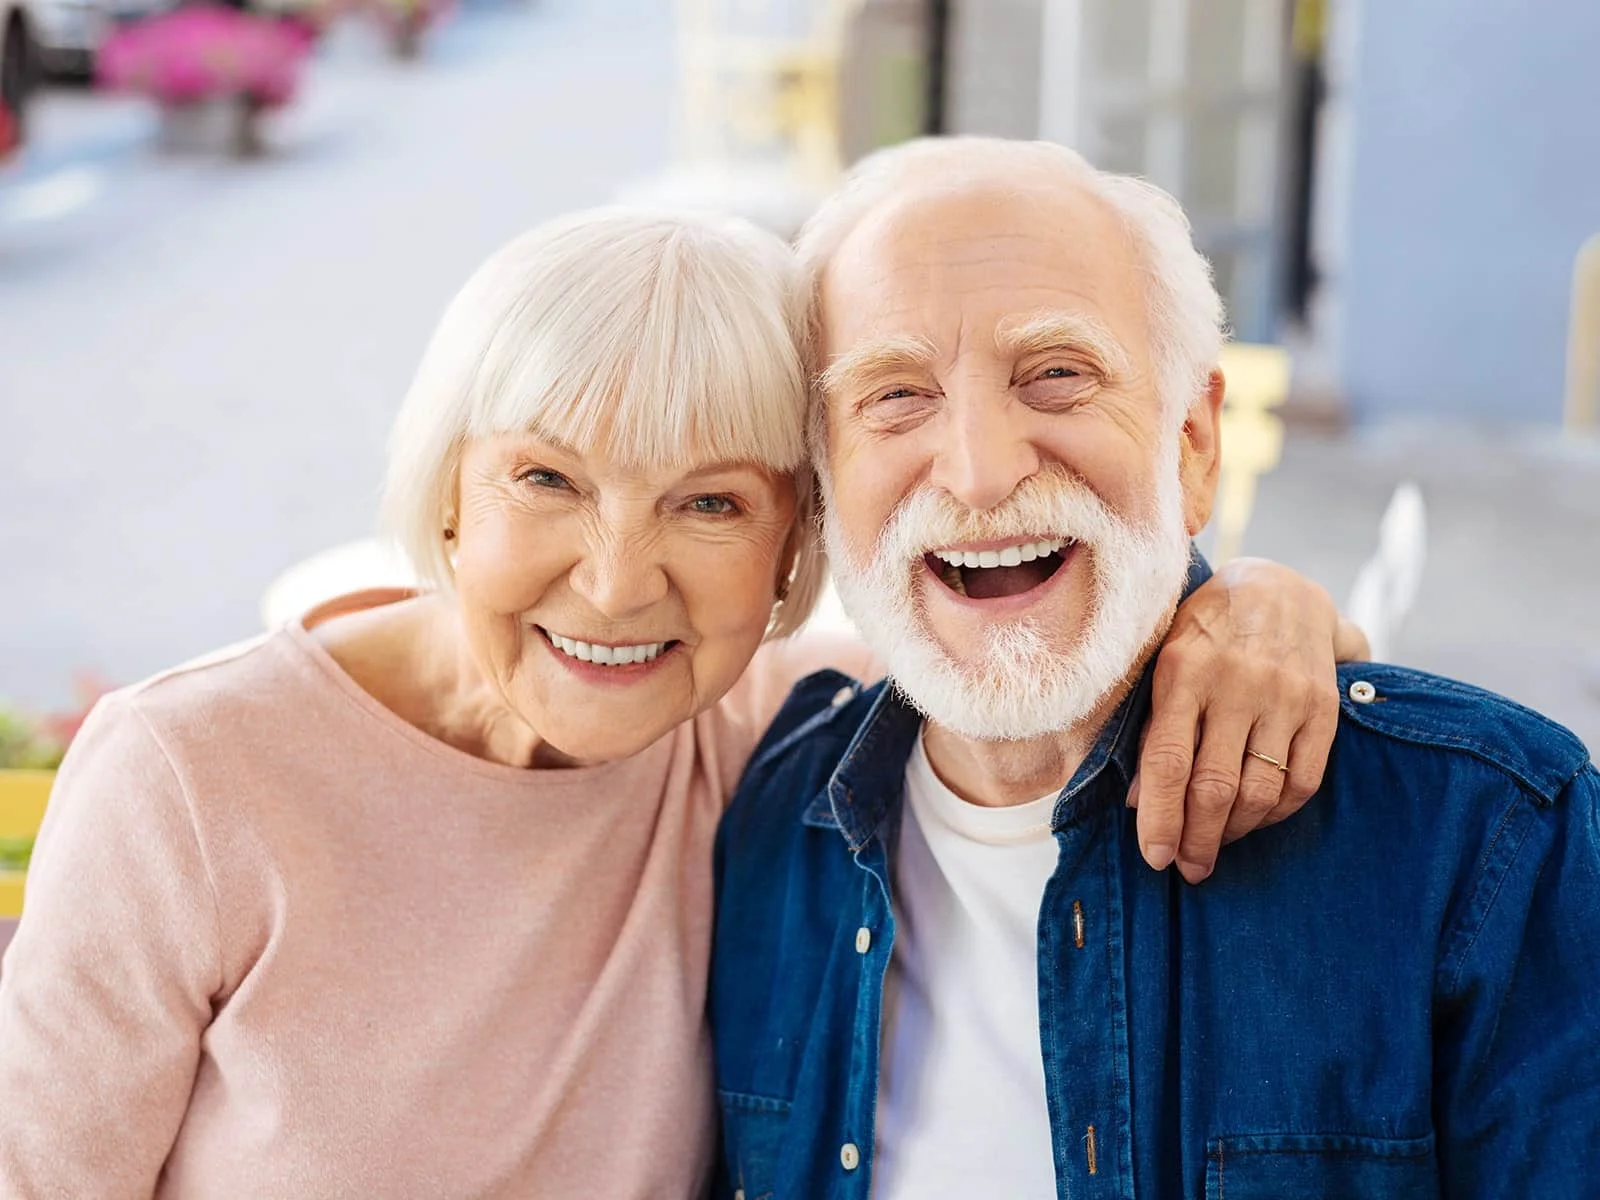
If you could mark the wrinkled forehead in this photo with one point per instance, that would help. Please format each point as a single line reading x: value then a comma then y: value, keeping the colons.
x: 955, y: 266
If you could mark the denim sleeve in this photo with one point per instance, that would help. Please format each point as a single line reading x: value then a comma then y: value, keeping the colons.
x: 1517, y: 1058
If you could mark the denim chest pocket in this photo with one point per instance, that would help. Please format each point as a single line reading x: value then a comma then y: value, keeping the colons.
x: 752, y: 1131
x: 1320, y: 1167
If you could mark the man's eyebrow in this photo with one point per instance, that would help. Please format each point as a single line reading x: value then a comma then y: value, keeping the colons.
x: 1054, y: 330
x: 877, y: 356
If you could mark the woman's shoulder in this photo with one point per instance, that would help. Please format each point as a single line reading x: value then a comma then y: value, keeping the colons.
x: 268, y: 682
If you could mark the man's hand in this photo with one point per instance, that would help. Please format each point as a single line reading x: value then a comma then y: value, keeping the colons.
x: 1247, y: 666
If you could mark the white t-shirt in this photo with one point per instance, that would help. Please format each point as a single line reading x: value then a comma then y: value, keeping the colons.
x: 961, y: 1094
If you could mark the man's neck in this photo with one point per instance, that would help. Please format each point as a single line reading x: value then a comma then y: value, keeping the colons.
x: 1002, y: 774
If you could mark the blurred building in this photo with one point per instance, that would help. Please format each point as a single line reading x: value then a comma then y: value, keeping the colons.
x: 1398, y: 190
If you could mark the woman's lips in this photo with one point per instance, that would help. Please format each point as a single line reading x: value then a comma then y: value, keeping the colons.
x: 606, y: 672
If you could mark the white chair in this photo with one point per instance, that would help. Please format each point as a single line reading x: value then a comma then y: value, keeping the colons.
x: 338, y: 571
x: 1386, y: 586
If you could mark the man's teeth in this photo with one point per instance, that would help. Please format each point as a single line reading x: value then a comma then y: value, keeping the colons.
x: 606, y: 656
x: 1011, y: 556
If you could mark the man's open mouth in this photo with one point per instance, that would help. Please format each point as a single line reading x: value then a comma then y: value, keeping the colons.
x: 998, y: 571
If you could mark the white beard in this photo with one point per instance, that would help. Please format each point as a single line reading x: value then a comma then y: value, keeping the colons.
x: 1016, y: 685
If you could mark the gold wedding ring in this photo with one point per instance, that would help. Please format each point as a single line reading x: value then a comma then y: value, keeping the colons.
x: 1268, y: 759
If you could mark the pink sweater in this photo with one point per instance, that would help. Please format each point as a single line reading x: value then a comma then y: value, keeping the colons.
x: 280, y: 944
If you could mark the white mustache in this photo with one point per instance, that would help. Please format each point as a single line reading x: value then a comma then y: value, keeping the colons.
x: 1053, y: 504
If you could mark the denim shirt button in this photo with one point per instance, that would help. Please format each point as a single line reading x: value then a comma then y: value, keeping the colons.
x: 863, y: 940
x: 738, y: 1194
x: 843, y: 696
x: 849, y: 1156
x: 1363, y: 692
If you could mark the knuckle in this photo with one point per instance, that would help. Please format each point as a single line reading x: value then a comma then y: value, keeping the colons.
x: 1177, y: 667
x: 1256, y: 796
x: 1299, y: 788
x: 1165, y: 763
x: 1324, y: 697
x: 1213, y: 790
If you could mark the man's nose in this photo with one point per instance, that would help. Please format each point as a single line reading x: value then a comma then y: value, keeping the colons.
x: 621, y: 576
x: 985, y: 452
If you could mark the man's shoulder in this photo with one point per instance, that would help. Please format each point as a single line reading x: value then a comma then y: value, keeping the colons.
x: 1469, y: 725
x: 805, y: 743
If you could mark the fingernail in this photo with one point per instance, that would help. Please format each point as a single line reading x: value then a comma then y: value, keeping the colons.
x: 1160, y: 857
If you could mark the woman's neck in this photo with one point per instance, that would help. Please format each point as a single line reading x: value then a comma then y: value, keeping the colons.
x: 413, y: 658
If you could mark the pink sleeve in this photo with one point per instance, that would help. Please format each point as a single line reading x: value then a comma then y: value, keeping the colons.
x: 106, y: 988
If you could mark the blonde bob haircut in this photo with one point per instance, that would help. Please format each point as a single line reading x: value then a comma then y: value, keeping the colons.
x: 667, y: 340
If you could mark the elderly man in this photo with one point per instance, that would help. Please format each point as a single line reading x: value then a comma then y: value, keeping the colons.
x: 942, y: 968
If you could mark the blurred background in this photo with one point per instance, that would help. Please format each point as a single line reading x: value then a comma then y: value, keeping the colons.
x: 225, y: 234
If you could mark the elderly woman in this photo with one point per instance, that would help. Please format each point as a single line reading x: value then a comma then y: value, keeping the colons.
x: 413, y: 897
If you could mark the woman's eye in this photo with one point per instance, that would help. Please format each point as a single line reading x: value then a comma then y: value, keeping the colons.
x: 713, y: 506
x: 541, y: 477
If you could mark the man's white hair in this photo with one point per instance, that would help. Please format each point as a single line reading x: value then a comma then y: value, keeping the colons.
x: 664, y: 339
x: 1186, y: 313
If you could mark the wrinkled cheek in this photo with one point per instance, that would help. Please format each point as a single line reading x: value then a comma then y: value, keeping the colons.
x: 500, y: 568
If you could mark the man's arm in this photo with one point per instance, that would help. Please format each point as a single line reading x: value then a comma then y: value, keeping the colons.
x: 1517, y: 1031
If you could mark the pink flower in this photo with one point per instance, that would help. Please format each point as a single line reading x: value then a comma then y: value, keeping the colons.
x: 202, y: 51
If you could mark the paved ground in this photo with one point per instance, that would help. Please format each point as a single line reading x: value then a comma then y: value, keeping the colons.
x: 198, y: 362
x: 1510, y: 597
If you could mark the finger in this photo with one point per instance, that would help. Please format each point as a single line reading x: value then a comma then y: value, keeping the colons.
x: 1308, y: 760
x: 1260, y: 783
x: 1164, y: 766
x: 1133, y: 787
x: 1213, y: 786
x: 1350, y: 642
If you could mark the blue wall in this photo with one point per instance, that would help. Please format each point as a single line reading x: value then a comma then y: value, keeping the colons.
x: 1475, y: 177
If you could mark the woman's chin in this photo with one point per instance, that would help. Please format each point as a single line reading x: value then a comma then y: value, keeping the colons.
x: 593, y: 747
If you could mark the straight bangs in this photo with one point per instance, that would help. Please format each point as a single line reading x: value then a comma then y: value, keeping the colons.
x: 664, y: 343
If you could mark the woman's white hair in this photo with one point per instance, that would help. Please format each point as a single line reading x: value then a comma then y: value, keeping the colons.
x: 1186, y: 313
x: 665, y: 339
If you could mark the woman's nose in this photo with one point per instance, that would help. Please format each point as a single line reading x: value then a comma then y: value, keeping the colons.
x: 621, y: 577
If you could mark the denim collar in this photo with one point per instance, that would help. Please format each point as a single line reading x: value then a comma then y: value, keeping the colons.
x: 863, y: 794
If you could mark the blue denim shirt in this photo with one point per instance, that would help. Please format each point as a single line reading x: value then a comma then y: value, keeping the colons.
x: 1394, y: 994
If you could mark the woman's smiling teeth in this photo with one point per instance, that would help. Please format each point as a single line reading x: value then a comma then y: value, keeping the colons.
x: 606, y: 656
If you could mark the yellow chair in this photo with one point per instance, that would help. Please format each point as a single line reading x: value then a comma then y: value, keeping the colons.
x: 748, y: 82
x: 1583, y: 342
x: 1252, y: 435
x: 22, y: 799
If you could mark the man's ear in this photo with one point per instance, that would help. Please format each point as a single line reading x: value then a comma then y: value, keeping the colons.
x: 1200, y: 452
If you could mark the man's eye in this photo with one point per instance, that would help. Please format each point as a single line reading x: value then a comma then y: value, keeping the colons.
x: 1058, y: 373
x: 713, y: 506
x: 541, y: 477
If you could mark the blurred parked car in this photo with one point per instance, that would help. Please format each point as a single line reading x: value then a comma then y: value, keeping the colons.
x: 68, y: 33
x: 18, y: 56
